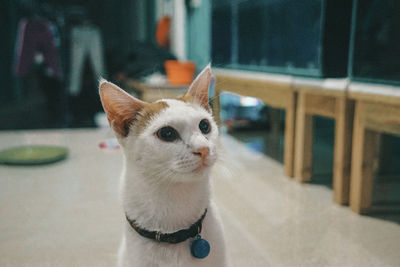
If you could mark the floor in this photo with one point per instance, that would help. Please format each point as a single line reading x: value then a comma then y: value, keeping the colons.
x: 68, y: 213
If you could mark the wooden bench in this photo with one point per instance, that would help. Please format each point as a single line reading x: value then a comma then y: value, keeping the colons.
x: 273, y: 90
x: 374, y: 109
x: 327, y: 98
x: 377, y: 110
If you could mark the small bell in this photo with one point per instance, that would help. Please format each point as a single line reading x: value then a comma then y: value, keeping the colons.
x: 200, y: 248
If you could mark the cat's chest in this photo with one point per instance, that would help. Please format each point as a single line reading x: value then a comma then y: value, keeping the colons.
x: 166, y: 210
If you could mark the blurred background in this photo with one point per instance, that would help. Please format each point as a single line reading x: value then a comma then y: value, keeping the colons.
x: 54, y: 51
x: 305, y: 89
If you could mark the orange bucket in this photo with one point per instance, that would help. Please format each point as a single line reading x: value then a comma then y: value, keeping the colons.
x: 179, y: 72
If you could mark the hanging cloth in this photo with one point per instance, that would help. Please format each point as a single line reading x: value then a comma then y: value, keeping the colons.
x: 34, y: 38
x: 85, y: 41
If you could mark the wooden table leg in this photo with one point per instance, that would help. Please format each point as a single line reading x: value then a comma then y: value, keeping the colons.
x: 290, y: 119
x: 216, y: 107
x: 365, y: 144
x: 342, y: 150
x: 303, y: 143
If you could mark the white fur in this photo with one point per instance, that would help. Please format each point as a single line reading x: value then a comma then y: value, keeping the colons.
x: 162, y: 190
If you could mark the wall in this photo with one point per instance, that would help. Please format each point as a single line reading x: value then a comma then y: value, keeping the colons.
x: 198, y: 33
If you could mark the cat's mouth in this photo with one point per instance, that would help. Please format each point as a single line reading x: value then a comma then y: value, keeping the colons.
x: 194, y: 165
x: 205, y: 164
x: 202, y: 166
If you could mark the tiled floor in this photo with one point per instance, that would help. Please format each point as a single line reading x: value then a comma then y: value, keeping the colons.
x: 68, y: 213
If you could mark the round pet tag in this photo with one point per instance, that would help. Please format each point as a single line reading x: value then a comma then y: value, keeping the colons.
x: 200, y: 248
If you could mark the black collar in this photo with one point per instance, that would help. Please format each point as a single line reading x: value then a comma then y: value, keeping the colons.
x: 177, y: 237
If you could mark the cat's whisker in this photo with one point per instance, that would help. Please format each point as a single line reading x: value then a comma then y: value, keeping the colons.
x: 161, y: 172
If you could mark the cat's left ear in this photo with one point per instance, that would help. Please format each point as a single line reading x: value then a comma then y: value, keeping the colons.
x: 198, y: 90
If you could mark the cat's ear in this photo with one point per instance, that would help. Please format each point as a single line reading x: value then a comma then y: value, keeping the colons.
x: 198, y: 90
x: 120, y: 107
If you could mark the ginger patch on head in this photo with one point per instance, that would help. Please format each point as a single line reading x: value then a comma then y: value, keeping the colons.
x: 147, y: 113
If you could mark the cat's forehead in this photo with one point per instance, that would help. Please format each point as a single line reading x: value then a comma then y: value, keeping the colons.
x: 181, y: 109
x: 176, y: 104
x: 171, y: 112
x: 178, y: 111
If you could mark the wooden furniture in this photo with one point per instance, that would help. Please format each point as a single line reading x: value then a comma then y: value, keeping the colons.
x: 274, y: 90
x: 377, y: 110
x: 150, y: 93
x: 374, y: 109
x: 325, y: 98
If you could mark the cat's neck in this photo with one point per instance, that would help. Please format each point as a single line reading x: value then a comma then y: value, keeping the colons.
x: 163, y: 206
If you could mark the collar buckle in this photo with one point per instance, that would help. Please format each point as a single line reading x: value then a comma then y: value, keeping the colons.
x: 158, y: 236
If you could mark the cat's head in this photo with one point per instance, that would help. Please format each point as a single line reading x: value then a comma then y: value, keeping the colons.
x: 172, y: 139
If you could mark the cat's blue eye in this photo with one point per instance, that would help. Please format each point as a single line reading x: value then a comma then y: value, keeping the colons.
x: 205, y: 126
x: 167, y: 134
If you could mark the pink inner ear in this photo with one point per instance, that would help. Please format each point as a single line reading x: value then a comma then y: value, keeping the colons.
x: 120, y: 107
x: 199, y: 88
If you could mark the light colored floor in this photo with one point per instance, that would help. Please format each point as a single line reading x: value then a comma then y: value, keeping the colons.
x: 68, y: 214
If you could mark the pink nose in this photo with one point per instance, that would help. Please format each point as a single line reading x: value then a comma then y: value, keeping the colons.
x: 202, y: 152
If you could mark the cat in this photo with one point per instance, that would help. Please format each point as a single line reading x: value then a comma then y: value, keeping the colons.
x: 169, y: 149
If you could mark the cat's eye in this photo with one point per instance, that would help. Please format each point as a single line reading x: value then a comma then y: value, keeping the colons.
x: 205, y: 126
x: 167, y: 134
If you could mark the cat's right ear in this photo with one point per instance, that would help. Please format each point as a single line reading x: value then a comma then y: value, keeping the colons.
x: 120, y: 107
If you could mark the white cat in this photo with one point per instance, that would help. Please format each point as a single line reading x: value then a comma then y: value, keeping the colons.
x: 169, y: 148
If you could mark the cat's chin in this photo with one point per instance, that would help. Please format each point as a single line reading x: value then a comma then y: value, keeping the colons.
x: 197, y: 175
x: 201, y: 170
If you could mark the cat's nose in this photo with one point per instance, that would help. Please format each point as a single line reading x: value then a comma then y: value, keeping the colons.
x: 202, y: 152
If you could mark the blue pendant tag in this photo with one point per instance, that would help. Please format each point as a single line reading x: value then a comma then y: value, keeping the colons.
x: 200, y: 248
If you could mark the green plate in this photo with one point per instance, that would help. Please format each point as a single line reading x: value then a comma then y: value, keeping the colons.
x: 33, y: 155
